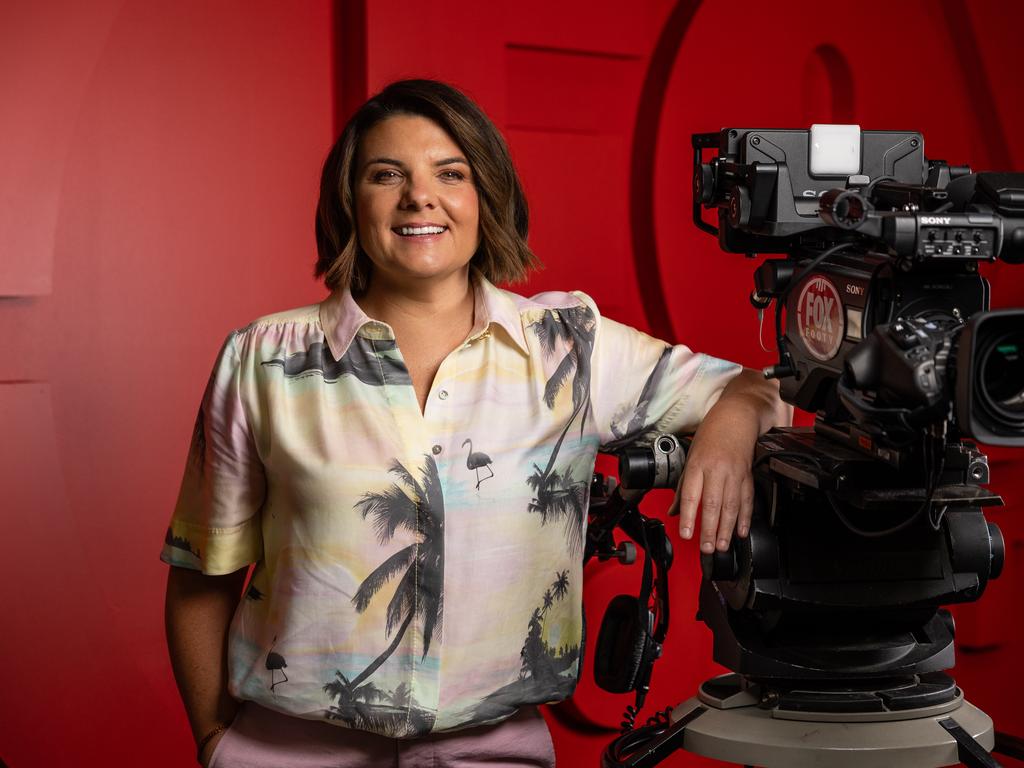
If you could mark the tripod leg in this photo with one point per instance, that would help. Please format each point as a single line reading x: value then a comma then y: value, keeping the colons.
x: 970, y: 752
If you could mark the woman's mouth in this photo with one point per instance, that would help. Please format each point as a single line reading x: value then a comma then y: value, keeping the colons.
x: 430, y: 229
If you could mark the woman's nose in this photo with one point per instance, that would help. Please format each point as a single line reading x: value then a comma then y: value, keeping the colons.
x: 417, y: 195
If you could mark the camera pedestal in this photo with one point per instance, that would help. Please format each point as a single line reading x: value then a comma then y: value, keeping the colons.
x: 735, y: 728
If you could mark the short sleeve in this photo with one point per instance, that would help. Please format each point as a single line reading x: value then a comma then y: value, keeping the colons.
x: 642, y: 386
x: 215, y: 527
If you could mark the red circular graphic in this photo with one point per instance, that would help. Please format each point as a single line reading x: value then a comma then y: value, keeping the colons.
x: 819, y: 318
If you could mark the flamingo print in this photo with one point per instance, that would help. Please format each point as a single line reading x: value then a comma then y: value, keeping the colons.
x: 276, y: 663
x: 477, y: 460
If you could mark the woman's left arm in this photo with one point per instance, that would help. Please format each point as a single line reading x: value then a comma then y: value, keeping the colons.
x: 717, y: 475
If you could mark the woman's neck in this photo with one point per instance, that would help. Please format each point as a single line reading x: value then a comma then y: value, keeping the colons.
x: 448, y: 302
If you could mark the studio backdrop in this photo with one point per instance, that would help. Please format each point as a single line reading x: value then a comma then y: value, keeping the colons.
x: 159, y: 168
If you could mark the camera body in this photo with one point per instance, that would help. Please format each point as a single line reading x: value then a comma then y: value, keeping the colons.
x: 869, y: 522
x: 882, y: 252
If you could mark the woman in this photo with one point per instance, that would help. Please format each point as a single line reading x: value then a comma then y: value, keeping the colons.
x: 408, y: 464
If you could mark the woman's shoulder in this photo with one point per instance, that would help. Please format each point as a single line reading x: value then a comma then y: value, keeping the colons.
x: 551, y: 300
x: 277, y: 326
x: 309, y: 314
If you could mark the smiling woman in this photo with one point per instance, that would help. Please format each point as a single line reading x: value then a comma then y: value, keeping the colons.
x: 398, y: 592
x: 445, y: 115
x: 417, y: 214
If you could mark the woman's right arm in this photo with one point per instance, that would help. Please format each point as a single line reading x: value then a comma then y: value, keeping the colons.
x: 197, y: 613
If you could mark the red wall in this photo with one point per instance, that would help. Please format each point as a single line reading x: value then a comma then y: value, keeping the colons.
x: 158, y: 173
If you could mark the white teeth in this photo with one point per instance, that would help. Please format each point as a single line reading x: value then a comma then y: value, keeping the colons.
x: 421, y: 230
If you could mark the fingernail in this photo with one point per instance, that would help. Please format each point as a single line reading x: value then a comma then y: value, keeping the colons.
x: 723, y: 544
x: 743, y: 530
x: 686, y: 532
x: 707, y: 547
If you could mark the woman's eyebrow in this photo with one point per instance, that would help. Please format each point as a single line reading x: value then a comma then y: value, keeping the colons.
x: 400, y: 164
x: 383, y: 161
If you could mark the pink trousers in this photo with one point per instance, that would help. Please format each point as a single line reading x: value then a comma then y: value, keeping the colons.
x: 262, y: 738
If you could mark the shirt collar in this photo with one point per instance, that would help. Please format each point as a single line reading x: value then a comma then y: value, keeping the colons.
x: 342, y: 318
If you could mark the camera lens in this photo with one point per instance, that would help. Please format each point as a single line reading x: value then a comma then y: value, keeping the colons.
x: 1001, y: 377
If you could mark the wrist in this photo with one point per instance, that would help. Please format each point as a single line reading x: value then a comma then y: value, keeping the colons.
x: 207, y: 737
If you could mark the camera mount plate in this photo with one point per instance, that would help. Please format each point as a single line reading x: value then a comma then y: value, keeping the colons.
x: 749, y: 734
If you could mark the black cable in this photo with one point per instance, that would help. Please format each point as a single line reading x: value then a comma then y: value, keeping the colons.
x: 934, y: 457
x: 630, y: 740
x: 863, y: 532
x: 850, y: 526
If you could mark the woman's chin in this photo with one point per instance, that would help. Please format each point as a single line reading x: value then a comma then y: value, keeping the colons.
x: 419, y: 273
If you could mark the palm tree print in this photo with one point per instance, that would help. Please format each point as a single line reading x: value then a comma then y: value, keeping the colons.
x: 561, y: 585
x: 181, y: 543
x: 367, y: 707
x: 538, y: 658
x: 420, y: 568
x: 401, y: 696
x: 546, y: 673
x: 631, y: 420
x: 353, y: 699
x: 557, y: 496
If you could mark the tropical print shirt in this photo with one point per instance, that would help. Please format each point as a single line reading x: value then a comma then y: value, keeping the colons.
x: 417, y: 571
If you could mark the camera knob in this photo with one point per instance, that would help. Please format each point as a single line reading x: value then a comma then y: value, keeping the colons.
x: 739, y: 207
x: 720, y: 566
x: 704, y: 183
x: 997, y: 550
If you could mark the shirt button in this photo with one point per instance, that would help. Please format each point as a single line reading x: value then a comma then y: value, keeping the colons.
x: 443, y: 394
x: 436, y: 449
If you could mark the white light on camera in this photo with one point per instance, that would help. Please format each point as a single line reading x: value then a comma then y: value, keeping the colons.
x: 835, y: 150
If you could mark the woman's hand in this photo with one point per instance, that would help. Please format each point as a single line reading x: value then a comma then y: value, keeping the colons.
x: 717, y: 475
x: 198, y: 611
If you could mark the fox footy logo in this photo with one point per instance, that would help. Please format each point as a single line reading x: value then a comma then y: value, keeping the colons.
x: 819, y: 318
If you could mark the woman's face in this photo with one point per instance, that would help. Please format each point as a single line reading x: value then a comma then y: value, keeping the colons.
x: 417, y: 213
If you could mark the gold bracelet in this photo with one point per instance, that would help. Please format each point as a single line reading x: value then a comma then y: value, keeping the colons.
x: 206, y: 740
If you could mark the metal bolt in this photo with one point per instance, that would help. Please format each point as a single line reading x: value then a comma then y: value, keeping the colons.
x: 755, y: 141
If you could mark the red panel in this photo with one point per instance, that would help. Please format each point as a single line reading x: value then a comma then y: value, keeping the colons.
x: 587, y: 96
x: 46, y: 60
x: 52, y: 612
x: 187, y: 180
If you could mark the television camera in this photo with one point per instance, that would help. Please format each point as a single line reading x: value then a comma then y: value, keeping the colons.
x: 829, y: 613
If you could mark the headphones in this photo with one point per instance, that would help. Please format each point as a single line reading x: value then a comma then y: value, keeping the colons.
x: 633, y: 630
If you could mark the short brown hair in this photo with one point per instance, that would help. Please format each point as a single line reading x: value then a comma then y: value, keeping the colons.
x: 502, y: 256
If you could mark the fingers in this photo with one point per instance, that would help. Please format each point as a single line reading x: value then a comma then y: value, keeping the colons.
x: 726, y: 501
x: 711, y: 509
x: 687, y: 499
x: 730, y: 513
x: 746, y: 506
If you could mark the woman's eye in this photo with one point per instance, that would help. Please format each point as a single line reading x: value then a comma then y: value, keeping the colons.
x: 451, y: 175
x: 385, y: 175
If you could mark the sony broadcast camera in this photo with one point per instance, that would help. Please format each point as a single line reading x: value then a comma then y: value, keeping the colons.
x: 829, y: 612
x: 867, y: 523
